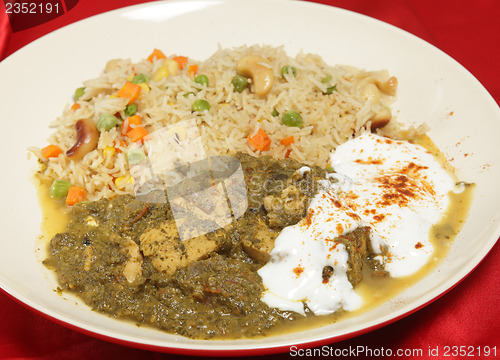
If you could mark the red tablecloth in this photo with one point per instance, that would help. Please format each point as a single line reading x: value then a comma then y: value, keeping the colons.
x: 467, y: 316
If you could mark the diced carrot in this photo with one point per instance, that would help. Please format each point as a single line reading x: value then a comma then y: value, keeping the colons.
x: 287, y: 141
x: 181, y: 60
x: 260, y: 141
x: 156, y: 54
x: 132, y: 120
x: 75, y: 106
x: 51, y: 151
x: 75, y: 195
x: 121, y: 143
x: 192, y: 70
x: 137, y: 134
x: 129, y: 91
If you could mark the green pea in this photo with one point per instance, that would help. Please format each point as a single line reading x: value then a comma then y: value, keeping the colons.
x: 139, y: 78
x: 287, y: 69
x: 292, y: 118
x: 135, y: 156
x: 130, y: 110
x: 79, y: 92
x: 106, y: 122
x: 201, y: 79
x: 330, y: 169
x: 330, y: 90
x: 239, y: 82
x: 59, y: 189
x: 326, y: 79
x: 186, y: 95
x: 275, y: 113
x: 201, y: 105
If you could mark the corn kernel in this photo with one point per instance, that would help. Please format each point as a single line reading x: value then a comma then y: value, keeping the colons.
x: 172, y: 66
x: 130, y: 77
x: 109, y: 151
x: 145, y: 88
x: 121, y: 181
x: 171, y: 103
x: 160, y: 73
x: 113, y: 96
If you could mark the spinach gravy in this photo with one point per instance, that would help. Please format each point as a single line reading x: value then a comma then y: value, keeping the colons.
x: 124, y: 257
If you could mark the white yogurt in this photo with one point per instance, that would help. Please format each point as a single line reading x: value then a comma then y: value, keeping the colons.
x: 396, y: 188
x: 294, y: 275
x: 400, y: 190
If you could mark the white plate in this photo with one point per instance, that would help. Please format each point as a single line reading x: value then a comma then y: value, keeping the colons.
x: 39, y: 80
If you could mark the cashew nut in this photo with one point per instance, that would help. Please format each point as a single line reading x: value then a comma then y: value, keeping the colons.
x: 389, y: 86
x: 381, y: 119
x: 87, y: 137
x: 259, y: 70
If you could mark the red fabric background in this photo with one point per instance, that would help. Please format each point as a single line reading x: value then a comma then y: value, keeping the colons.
x: 468, y: 315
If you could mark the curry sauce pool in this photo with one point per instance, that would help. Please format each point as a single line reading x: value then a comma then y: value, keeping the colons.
x: 111, y: 257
